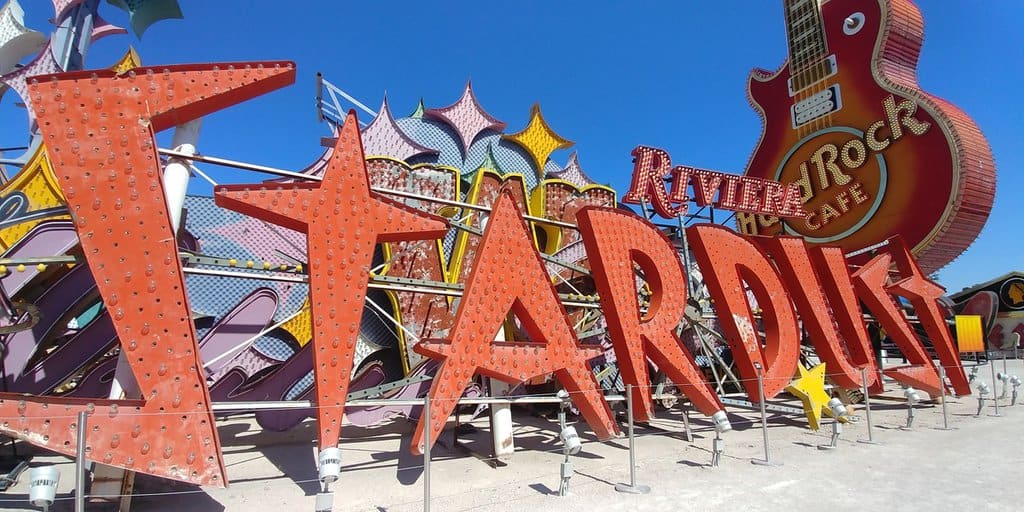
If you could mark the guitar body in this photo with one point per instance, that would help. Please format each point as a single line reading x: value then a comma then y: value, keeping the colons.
x: 889, y: 159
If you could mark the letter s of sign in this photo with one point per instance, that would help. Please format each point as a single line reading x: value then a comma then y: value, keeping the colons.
x: 101, y: 159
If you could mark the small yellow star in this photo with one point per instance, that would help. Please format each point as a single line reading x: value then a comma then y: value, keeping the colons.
x: 538, y: 139
x: 809, y: 387
x: 130, y: 61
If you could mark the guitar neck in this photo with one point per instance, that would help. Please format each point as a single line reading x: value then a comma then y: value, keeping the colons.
x: 806, y: 37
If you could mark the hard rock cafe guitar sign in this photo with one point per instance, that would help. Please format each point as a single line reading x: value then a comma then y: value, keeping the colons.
x: 872, y: 153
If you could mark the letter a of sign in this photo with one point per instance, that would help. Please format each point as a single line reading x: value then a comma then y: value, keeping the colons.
x: 343, y: 221
x: 508, y: 275
x: 98, y: 128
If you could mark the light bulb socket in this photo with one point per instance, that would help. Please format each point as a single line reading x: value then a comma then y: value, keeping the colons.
x: 721, y: 421
x: 571, y: 439
x: 42, y: 485
x: 330, y: 464
x: 837, y: 407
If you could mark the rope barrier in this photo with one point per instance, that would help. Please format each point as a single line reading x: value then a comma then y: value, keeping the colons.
x: 536, y: 398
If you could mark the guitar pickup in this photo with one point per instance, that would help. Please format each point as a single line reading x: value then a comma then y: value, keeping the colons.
x: 816, y: 106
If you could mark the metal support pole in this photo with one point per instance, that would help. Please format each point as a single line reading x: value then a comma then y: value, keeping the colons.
x: 995, y: 399
x: 565, y: 469
x: 632, y: 488
x: 686, y: 424
x: 717, y: 449
x: 764, y: 422
x: 945, y: 409
x: 833, y: 442
x: 867, y: 407
x: 686, y: 255
x: 426, y: 454
x: 80, y: 464
x: 910, y: 416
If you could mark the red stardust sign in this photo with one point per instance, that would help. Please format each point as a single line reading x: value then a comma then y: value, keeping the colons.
x: 104, y: 155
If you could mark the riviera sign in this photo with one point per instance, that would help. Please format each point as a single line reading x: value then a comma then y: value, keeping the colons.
x: 105, y: 158
x: 652, y: 167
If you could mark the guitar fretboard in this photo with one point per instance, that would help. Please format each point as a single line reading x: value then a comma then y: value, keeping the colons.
x: 807, y: 46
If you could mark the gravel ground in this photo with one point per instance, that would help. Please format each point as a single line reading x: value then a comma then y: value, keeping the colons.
x: 972, y: 467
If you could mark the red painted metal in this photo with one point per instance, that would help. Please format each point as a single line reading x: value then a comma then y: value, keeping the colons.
x: 98, y: 128
x: 616, y: 241
x: 343, y: 221
x: 426, y: 315
x: 924, y: 295
x: 832, y: 269
x: 846, y: 349
x: 730, y: 264
x: 509, y: 276
x: 871, y: 282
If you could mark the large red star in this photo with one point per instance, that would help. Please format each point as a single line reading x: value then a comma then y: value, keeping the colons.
x: 508, y: 275
x: 343, y: 221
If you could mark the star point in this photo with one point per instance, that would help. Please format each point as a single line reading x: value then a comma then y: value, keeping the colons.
x: 383, y: 137
x: 538, y: 139
x: 467, y: 117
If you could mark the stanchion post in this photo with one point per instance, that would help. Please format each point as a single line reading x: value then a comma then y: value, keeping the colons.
x: 80, y: 464
x: 426, y: 454
x: 867, y: 407
x: 632, y: 488
x: 764, y: 422
x: 686, y: 424
x: 995, y: 398
x: 945, y: 409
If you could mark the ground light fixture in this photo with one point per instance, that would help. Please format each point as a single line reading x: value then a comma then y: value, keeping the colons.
x: 983, y: 390
x: 1005, y: 379
x: 721, y: 422
x: 913, y: 396
x: 330, y: 470
x: 42, y: 486
x: 330, y: 464
x: 571, y: 440
x: 571, y: 444
x: 838, y: 411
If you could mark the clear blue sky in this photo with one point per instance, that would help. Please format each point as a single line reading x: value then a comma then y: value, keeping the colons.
x: 608, y: 75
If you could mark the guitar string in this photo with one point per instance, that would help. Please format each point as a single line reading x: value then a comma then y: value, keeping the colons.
x: 800, y: 43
